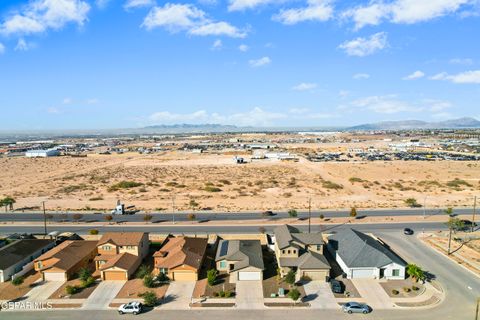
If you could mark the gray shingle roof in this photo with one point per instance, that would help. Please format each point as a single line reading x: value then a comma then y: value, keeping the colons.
x: 308, y: 260
x: 245, y: 253
x: 360, y: 250
x: 285, y: 234
x: 17, y: 251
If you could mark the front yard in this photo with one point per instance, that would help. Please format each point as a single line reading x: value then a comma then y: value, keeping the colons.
x: 402, y: 288
x: 81, y: 294
x: 10, y: 292
x: 134, y: 287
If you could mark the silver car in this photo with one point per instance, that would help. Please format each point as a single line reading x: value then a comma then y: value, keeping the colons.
x: 355, y: 307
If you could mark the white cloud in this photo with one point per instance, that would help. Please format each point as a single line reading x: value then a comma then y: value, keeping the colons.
x: 472, y: 76
x: 298, y: 110
x: 53, y: 110
x: 179, y: 17
x: 92, y: 101
x: 316, y: 10
x: 2, y: 48
x: 403, y: 11
x: 465, y: 61
x: 304, y: 86
x: 254, y: 117
x: 362, y: 47
x: 41, y: 15
x: 22, y: 45
x: 102, y: 4
x: 240, y: 5
x: 221, y: 28
x: 67, y: 101
x: 255, y: 63
x: 361, y: 76
x: 415, y: 75
x: 217, y: 44
x: 243, y: 47
x: 133, y: 4
x: 384, y: 104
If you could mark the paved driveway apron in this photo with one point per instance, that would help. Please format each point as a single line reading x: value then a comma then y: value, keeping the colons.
x: 105, y: 292
x: 373, y: 293
x: 178, y: 295
x: 319, y: 295
x: 42, y: 291
x: 249, y: 295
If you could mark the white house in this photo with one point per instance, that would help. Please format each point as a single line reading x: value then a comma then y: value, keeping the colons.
x: 42, y: 153
x: 362, y: 256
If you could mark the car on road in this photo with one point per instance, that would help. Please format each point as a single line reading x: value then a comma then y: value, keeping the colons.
x: 133, y: 307
x: 337, y: 286
x: 268, y: 213
x: 408, y: 231
x: 355, y: 307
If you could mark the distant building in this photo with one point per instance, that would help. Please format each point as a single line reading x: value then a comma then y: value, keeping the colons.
x: 42, y: 153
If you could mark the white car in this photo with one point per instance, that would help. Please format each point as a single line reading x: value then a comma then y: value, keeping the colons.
x: 131, y: 307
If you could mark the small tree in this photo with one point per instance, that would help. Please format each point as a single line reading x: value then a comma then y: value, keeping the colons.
x: 84, y: 274
x: 448, y: 211
x: 294, y: 294
x: 290, y: 278
x: 77, y: 216
x: 143, y: 271
x: 193, y: 204
x: 8, y: 203
x: 412, y: 203
x: 212, y: 276
x: 109, y: 218
x: 191, y: 217
x: 148, y: 281
x: 292, y: 213
x: 93, y: 232
x: 456, y: 224
x: 17, y: 281
x: 415, y: 272
x: 71, y: 289
x: 149, y: 298
x: 321, y: 216
x: 147, y: 217
x: 353, y: 212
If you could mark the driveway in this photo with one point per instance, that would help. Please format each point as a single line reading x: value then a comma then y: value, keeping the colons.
x: 43, y: 290
x: 105, y: 292
x: 319, y: 295
x: 178, y: 295
x: 373, y: 293
x: 249, y: 295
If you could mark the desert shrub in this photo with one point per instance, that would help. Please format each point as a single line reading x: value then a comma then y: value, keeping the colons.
x: 148, y: 281
x: 149, y: 298
x: 407, y: 289
x: 228, y: 294
x: 17, y: 281
x: 77, y: 216
x: 415, y: 288
x: 353, y: 212
x: 355, y: 179
x: 412, y: 203
x: 331, y: 185
x: 212, y: 189
x: 458, y: 183
x: 225, y: 182
x: 143, y: 190
x: 322, y: 216
x: 191, y: 217
x: 147, y: 217
x: 96, y: 199
x: 143, y: 271
x: 124, y: 185
x: 395, y: 292
x: 71, y: 289
x: 93, y: 231
x: 212, y: 276
x: 89, y: 282
x: 292, y: 213
x: 73, y: 188
x: 294, y: 294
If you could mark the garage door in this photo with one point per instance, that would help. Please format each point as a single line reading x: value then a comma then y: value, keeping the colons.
x: 245, y: 276
x: 362, y: 273
x: 184, y: 276
x: 115, y: 275
x: 54, y: 276
x: 316, y: 275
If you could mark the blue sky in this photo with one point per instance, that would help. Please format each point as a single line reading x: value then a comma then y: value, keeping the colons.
x: 86, y: 64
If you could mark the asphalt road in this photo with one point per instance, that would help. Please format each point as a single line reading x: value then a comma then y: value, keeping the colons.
x: 205, y: 229
x: 462, y: 289
x: 159, y: 217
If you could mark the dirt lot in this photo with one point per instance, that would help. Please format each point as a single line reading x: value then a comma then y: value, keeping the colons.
x: 134, y: 287
x: 215, y: 182
x: 10, y: 292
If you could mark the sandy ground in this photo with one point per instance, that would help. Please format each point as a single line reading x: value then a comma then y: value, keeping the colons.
x: 82, y: 183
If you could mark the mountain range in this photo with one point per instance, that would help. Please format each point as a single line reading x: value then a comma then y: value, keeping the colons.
x: 466, y: 122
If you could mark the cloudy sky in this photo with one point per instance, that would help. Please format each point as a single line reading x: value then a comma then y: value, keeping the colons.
x: 85, y: 64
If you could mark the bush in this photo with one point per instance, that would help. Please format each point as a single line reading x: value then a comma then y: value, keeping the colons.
x: 148, y: 281
x: 395, y: 292
x: 162, y: 277
x: 191, y: 217
x: 147, y: 217
x: 322, y: 216
x: 17, y: 281
x: 84, y: 274
x: 212, y: 276
x: 228, y: 294
x: 415, y: 288
x: 331, y: 185
x: 96, y: 199
x: 294, y: 294
x: 71, y: 289
x: 292, y: 213
x: 290, y: 277
x: 109, y: 217
x: 353, y: 212
x: 149, y: 298
x: 412, y: 203
x: 124, y: 185
x: 215, y: 294
x: 406, y: 289
x: 88, y: 283
x: 93, y: 232
x: 212, y: 189
x: 143, y: 271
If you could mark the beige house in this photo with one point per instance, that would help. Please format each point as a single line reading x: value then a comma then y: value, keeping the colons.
x: 120, y: 254
x: 301, y: 252
x: 242, y: 259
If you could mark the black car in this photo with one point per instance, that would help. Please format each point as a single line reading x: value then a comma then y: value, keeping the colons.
x: 408, y: 231
x: 337, y: 286
x: 268, y: 213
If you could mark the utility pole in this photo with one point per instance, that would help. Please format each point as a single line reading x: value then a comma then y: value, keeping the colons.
x: 474, y: 209
x: 449, y: 240
x: 309, y: 214
x: 44, y: 218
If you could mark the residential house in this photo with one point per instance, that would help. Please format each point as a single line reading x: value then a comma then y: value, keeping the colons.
x: 65, y: 260
x: 242, y: 259
x: 301, y: 252
x: 181, y: 258
x: 362, y: 256
x: 120, y: 254
x: 17, y: 257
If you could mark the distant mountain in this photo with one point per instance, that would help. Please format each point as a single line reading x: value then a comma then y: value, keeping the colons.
x: 465, y: 122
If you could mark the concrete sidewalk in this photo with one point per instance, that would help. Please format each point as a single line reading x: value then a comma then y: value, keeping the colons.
x: 249, y: 295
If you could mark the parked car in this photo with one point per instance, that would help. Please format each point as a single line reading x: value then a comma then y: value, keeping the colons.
x: 131, y: 307
x: 408, y: 231
x: 337, y: 286
x: 355, y: 307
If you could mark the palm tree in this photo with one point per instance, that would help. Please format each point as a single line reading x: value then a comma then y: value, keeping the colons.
x: 415, y: 272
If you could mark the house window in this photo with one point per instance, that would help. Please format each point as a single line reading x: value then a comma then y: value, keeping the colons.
x: 106, y: 248
x: 223, y: 264
x: 283, y: 251
x: 395, y: 272
x: 39, y: 264
x: 319, y: 247
x: 288, y: 251
x: 164, y: 270
x: 294, y: 251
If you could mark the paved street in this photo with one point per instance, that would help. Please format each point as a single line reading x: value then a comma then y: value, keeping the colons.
x: 319, y: 295
x: 105, y: 292
x: 249, y: 295
x: 178, y: 296
x: 43, y: 290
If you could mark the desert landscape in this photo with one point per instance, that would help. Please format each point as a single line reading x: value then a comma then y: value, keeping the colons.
x: 214, y: 181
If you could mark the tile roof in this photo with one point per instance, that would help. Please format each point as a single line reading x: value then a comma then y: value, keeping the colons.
x: 245, y: 253
x: 308, y: 260
x: 122, y: 238
x: 360, y: 250
x: 125, y: 261
x: 68, y: 253
x: 181, y: 251
x: 16, y: 251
